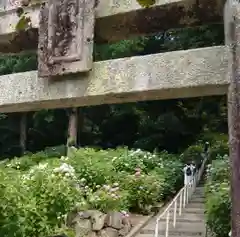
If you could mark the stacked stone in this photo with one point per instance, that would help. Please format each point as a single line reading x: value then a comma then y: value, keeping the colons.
x: 93, y: 223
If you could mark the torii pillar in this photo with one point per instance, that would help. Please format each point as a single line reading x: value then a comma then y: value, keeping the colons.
x: 232, y: 40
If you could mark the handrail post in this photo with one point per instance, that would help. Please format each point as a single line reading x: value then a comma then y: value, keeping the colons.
x: 184, y: 196
x: 156, y: 229
x: 175, y: 213
x: 191, y: 189
x: 167, y: 224
x: 193, y: 186
x: 194, y: 183
x: 180, y: 204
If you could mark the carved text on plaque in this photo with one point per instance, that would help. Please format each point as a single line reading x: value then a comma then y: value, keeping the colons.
x: 66, y: 31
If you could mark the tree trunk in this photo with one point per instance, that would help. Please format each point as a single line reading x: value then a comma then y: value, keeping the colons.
x: 72, y: 129
x: 80, y: 126
x: 23, y: 133
x: 232, y: 37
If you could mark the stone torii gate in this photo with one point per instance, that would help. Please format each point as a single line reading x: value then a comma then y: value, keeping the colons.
x: 65, y: 44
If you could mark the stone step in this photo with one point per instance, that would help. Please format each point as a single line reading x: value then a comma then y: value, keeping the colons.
x: 163, y: 235
x: 186, y: 217
x: 174, y: 232
x: 197, y: 199
x: 198, y: 194
x: 192, y: 210
x: 195, y: 227
x: 197, y: 202
x: 199, y: 189
x: 191, y: 205
x: 190, y: 224
x: 195, y: 205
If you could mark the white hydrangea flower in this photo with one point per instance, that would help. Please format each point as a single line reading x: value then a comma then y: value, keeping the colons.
x: 64, y: 158
x: 114, y: 158
x: 65, y: 168
x: 82, y: 180
x: 42, y: 166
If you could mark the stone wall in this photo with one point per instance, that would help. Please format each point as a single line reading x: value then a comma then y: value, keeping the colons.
x: 94, y: 223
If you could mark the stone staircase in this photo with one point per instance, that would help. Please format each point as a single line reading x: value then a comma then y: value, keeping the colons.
x: 190, y: 223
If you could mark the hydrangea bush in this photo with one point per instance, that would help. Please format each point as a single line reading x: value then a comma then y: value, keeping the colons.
x: 37, y: 191
x: 35, y: 203
x: 193, y: 153
x: 218, y: 203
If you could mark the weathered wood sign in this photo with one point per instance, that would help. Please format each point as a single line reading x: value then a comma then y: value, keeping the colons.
x: 66, y: 31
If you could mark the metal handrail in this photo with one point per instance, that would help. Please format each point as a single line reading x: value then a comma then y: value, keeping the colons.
x: 183, y: 197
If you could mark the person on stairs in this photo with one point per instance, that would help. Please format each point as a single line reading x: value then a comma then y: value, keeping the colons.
x: 188, y: 173
x: 194, y: 170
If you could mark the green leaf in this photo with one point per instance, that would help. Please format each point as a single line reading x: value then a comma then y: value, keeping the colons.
x: 146, y: 3
x: 23, y: 23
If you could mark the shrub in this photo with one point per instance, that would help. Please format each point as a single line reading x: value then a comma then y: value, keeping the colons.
x: 164, y: 168
x: 218, y: 144
x: 219, y: 170
x: 219, y: 148
x: 56, y: 151
x: 144, y: 191
x: 172, y: 173
x: 37, y: 191
x: 35, y: 203
x: 193, y: 153
x: 218, y: 204
x: 27, y: 161
x: 95, y: 167
x: 218, y: 208
x: 213, y: 137
x: 128, y: 161
x: 109, y: 198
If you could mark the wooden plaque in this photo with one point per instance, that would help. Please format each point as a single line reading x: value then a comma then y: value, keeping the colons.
x: 66, y: 31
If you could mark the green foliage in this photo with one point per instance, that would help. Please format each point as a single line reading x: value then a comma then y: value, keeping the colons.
x: 35, y: 203
x: 220, y: 147
x: 218, y: 204
x: 193, y: 154
x: 145, y: 191
x: 109, y: 197
x: 164, y: 167
x: 23, y: 22
x: 29, y: 160
x: 134, y: 125
x: 146, y: 3
x: 56, y: 151
x: 94, y: 167
x: 99, y: 168
x: 18, y: 63
x: 171, y: 171
x: 37, y: 191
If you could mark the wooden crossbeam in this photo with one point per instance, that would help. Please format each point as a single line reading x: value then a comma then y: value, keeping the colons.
x: 118, y: 20
x: 179, y: 74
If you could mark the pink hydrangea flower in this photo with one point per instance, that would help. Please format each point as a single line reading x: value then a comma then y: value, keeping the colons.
x: 138, y: 173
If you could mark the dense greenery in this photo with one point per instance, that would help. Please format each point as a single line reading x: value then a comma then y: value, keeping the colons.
x: 170, y: 125
x: 158, y: 125
x: 218, y: 203
x: 37, y: 191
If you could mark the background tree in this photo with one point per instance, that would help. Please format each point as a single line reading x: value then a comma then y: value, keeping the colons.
x: 171, y: 124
